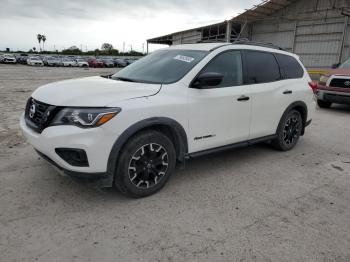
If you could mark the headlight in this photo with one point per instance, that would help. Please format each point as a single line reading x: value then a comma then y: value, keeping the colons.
x: 323, y: 80
x: 84, y: 117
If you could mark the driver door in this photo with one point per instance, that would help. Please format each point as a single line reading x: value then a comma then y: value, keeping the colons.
x: 220, y: 115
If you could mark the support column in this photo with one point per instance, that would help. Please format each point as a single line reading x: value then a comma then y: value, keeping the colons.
x: 147, y: 47
x: 345, y: 29
x: 295, y: 36
x: 228, y: 31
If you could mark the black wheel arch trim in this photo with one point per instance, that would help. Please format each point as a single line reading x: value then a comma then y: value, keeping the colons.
x: 177, y: 131
x: 297, y: 105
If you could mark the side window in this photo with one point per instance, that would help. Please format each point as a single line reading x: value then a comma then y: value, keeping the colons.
x: 230, y: 65
x: 262, y: 67
x: 290, y: 67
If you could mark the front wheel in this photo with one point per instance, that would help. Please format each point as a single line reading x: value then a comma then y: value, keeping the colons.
x: 288, y: 131
x: 145, y: 165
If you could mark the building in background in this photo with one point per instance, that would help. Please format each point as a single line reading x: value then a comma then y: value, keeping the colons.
x: 317, y: 30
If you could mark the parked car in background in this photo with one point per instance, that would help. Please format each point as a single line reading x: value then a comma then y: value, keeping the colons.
x: 108, y: 62
x: 334, y: 86
x: 51, y: 61
x: 130, y: 60
x: 22, y: 59
x: 93, y: 62
x: 82, y: 62
x: 118, y: 62
x: 35, y: 61
x: 8, y: 59
x: 130, y: 129
x: 68, y: 62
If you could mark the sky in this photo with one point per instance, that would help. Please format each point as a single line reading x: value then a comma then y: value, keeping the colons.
x: 89, y: 23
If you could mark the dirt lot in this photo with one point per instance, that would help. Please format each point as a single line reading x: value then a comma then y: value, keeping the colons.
x: 252, y: 204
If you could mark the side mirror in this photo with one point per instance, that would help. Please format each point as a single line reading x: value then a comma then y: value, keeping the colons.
x: 207, y: 80
x: 335, y: 66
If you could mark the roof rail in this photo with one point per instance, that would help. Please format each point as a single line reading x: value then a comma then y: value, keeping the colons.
x: 248, y: 42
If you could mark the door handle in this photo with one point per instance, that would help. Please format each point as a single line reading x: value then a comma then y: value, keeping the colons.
x: 288, y: 92
x: 243, y: 98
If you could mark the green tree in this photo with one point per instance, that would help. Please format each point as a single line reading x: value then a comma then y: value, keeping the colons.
x: 43, y: 38
x: 72, y: 51
x: 107, y: 48
x: 39, y: 37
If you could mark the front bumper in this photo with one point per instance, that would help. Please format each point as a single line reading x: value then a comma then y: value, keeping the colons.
x: 333, y: 96
x: 95, y: 142
x: 10, y: 61
x: 99, y: 179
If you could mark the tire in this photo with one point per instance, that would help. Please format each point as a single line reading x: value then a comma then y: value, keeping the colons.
x: 145, y: 164
x: 288, y: 131
x: 324, y: 104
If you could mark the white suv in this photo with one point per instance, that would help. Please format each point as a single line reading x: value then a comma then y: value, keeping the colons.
x: 130, y: 129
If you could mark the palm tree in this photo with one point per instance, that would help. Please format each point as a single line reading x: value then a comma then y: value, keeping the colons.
x: 43, y: 38
x: 39, y: 37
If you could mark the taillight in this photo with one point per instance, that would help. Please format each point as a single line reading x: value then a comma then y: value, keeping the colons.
x: 313, y: 86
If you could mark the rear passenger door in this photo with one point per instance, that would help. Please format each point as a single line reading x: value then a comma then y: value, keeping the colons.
x: 270, y: 94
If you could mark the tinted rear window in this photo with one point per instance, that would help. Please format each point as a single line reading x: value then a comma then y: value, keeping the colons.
x: 290, y: 67
x: 262, y: 67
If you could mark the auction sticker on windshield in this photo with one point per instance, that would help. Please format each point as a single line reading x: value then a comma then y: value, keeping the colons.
x: 183, y: 58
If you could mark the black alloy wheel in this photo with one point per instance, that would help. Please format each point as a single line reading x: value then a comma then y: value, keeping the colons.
x: 289, y: 131
x: 148, y: 165
x: 292, y: 129
x: 145, y: 164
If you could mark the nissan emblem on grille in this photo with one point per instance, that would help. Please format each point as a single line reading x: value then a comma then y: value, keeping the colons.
x: 347, y: 83
x: 32, y: 110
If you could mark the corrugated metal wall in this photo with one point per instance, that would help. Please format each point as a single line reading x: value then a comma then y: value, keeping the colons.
x: 281, y: 34
x: 187, y: 37
x: 310, y: 29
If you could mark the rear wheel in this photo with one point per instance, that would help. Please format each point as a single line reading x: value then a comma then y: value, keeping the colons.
x: 289, y: 131
x: 324, y: 104
x: 145, y: 164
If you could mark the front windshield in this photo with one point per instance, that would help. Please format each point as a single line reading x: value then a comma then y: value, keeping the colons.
x: 346, y: 64
x: 161, y: 67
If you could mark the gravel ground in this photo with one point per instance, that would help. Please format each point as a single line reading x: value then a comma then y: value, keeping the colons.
x: 251, y: 204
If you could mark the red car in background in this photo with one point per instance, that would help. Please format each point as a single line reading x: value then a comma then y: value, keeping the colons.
x: 93, y: 62
x: 334, y: 86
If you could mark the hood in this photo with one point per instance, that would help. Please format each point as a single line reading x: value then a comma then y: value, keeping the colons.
x: 93, y: 91
x: 339, y: 72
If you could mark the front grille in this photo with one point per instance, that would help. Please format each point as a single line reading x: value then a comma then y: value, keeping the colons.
x: 38, y: 115
x: 339, y: 82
